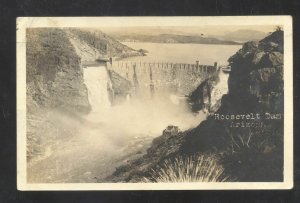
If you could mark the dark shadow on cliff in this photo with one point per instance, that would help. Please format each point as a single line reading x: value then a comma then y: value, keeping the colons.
x: 255, y: 86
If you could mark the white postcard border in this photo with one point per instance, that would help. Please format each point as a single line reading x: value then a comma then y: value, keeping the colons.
x: 31, y: 22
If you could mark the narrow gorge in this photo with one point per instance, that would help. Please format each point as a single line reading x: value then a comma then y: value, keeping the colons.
x: 92, y: 116
x: 84, y: 118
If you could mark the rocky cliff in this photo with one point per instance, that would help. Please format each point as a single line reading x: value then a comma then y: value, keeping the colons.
x: 251, y: 152
x: 255, y: 86
x: 54, y: 75
x: 200, y: 98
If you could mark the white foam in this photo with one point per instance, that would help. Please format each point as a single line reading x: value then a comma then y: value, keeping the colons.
x: 96, y: 80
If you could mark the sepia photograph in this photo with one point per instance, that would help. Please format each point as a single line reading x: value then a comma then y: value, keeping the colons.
x: 154, y: 103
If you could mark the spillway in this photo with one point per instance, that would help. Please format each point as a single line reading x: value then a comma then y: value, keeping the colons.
x: 97, y: 80
x: 220, y: 89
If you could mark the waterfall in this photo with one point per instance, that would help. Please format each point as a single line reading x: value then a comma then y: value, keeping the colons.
x: 96, y: 80
x: 220, y: 89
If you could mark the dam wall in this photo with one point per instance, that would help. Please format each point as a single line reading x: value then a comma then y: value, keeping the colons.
x: 150, y: 77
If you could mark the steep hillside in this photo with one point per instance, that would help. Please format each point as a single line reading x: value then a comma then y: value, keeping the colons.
x: 54, y: 76
x: 251, y: 152
x: 100, y: 41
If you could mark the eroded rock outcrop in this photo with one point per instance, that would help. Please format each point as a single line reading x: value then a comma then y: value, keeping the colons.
x: 201, y: 97
x: 255, y: 86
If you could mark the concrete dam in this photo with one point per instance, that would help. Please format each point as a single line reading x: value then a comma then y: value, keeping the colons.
x: 150, y: 79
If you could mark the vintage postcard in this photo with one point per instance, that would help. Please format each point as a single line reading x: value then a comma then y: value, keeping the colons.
x: 154, y: 103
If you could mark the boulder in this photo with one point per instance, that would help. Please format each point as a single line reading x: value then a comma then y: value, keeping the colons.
x: 272, y: 59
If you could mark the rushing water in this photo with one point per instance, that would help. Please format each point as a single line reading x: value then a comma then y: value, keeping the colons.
x: 220, y: 89
x: 96, y: 80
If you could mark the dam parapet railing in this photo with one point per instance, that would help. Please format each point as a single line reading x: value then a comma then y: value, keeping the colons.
x: 165, y: 65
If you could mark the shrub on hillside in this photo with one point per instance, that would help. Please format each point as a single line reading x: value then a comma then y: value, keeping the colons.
x: 203, y: 168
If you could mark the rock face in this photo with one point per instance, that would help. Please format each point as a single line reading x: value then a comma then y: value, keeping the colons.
x: 257, y: 72
x: 255, y: 86
x: 54, y: 76
x: 200, y: 98
x: 120, y: 86
x: 253, y: 153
